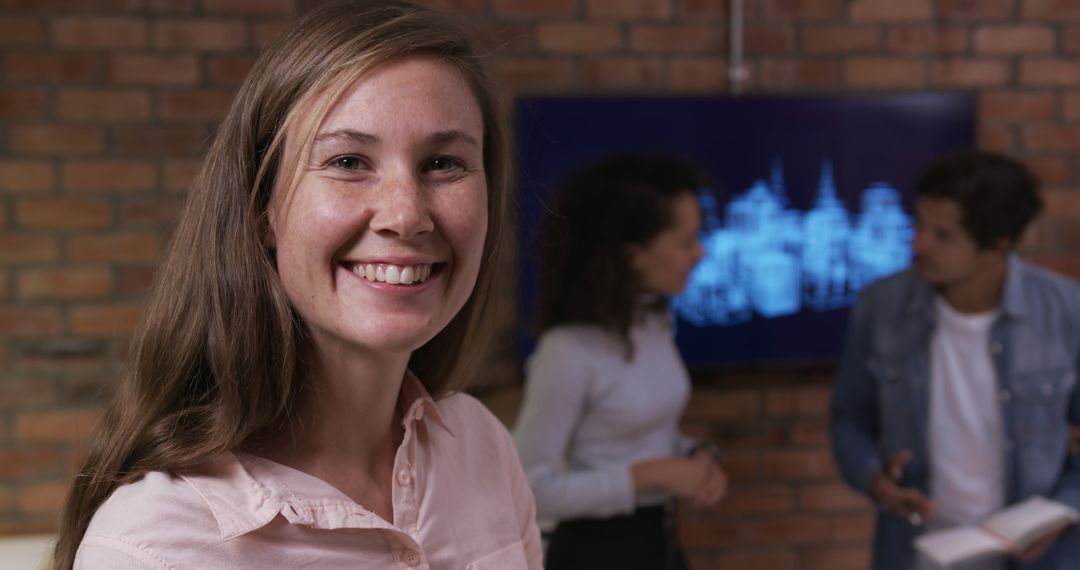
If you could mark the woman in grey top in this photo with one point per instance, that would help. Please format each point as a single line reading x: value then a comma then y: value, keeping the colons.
x: 598, y: 431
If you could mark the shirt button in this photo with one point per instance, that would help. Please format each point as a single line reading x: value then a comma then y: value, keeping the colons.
x: 996, y: 348
x: 404, y: 477
x: 411, y: 557
x: 1005, y: 396
x: 1048, y: 389
x: 419, y: 414
x: 890, y: 373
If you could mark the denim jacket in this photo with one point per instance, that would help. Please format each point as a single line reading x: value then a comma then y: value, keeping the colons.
x: 880, y: 398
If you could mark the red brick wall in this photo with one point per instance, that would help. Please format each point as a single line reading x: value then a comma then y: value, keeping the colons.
x: 786, y: 508
x: 105, y: 106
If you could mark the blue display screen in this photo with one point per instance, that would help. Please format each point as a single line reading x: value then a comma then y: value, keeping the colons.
x: 806, y: 199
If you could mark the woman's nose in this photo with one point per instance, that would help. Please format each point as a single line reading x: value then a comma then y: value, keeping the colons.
x: 401, y: 208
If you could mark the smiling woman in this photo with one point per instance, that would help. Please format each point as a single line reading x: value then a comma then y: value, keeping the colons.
x: 292, y: 396
x: 394, y: 182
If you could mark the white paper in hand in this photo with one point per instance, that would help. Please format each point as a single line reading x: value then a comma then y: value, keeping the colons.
x: 961, y: 544
x: 1010, y: 530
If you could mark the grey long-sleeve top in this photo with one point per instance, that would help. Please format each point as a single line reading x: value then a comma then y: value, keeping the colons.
x: 589, y: 414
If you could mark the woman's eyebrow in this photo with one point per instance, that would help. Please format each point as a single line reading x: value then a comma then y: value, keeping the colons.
x: 452, y: 135
x: 352, y: 135
x: 346, y: 135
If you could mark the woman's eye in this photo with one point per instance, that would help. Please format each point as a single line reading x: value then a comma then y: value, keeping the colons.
x: 346, y: 162
x: 443, y: 163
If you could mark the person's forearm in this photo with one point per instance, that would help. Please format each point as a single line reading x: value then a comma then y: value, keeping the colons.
x: 647, y: 475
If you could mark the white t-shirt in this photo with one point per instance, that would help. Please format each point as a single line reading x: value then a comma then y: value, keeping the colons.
x: 965, y: 433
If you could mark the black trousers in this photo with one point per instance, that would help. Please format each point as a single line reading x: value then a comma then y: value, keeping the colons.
x: 644, y: 540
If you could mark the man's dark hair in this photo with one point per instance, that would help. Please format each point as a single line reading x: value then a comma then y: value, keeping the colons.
x: 602, y: 207
x: 998, y: 196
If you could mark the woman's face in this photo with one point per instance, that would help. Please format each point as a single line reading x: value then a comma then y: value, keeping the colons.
x: 664, y: 264
x: 379, y: 244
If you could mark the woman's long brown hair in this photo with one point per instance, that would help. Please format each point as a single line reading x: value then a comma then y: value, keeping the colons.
x: 218, y: 354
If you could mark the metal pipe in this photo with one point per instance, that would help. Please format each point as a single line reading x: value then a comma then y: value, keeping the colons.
x: 737, y: 72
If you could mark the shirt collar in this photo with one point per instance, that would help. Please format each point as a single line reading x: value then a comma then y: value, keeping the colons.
x: 245, y: 492
x: 1013, y: 304
x: 921, y: 302
x: 239, y: 502
x: 416, y: 402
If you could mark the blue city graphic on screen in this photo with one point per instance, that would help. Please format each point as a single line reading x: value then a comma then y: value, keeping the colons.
x: 765, y: 259
x: 806, y: 200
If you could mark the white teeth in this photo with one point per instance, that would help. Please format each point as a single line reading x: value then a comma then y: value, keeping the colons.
x: 394, y: 274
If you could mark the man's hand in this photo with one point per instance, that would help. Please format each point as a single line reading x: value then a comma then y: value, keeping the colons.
x: 906, y: 502
x: 1038, y: 549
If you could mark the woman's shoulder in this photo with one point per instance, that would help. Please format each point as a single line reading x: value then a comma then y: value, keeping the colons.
x: 468, y: 419
x: 148, y: 518
x: 474, y: 437
x: 158, y: 495
x: 587, y: 339
x: 464, y: 411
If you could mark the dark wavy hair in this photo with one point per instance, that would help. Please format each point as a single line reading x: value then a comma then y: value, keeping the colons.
x: 601, y: 208
x: 998, y: 196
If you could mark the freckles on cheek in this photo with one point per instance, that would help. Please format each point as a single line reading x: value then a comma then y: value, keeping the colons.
x: 465, y: 213
x: 467, y: 201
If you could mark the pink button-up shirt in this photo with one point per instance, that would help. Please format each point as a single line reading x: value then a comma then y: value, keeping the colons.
x: 460, y: 501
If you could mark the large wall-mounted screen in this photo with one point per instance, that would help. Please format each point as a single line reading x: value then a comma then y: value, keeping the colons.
x: 806, y: 200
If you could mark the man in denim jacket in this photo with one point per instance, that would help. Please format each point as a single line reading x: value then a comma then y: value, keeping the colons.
x: 957, y: 389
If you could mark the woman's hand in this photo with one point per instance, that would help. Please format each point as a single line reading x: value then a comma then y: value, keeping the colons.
x: 715, y: 485
x: 697, y: 479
